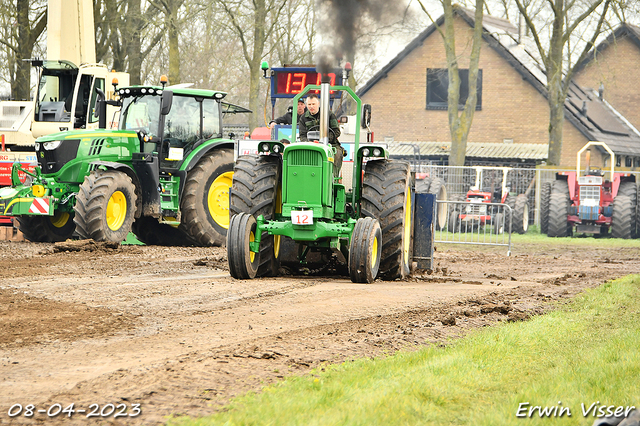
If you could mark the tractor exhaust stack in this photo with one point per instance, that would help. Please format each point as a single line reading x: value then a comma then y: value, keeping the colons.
x: 324, y: 108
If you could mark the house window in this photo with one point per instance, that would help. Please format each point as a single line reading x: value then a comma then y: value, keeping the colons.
x: 628, y: 161
x: 438, y: 85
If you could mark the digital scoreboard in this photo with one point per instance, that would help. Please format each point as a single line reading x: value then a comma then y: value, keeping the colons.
x: 289, y: 81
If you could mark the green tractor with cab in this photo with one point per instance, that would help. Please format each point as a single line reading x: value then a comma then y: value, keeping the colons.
x: 289, y: 192
x: 164, y: 173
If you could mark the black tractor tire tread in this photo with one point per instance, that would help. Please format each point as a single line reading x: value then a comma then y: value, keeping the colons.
x: 39, y: 229
x: 422, y: 186
x: 91, y: 203
x: 153, y: 233
x: 629, y: 189
x: 436, y: 188
x: 521, y: 206
x: 623, y: 217
x: 360, y: 268
x: 545, y: 194
x: 237, y: 250
x: 386, y: 183
x: 196, y: 220
x: 558, y: 210
x: 255, y: 183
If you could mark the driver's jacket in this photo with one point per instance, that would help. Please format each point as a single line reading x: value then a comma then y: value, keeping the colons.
x: 309, y: 122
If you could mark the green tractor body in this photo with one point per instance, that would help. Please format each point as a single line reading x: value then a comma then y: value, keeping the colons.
x: 164, y: 173
x: 288, y: 195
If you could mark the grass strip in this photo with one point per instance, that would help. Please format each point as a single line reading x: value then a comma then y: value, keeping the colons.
x: 585, y: 352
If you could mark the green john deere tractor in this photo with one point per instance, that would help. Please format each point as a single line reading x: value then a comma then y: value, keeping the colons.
x: 290, y: 192
x: 164, y: 174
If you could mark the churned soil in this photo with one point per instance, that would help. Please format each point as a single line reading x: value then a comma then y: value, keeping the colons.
x: 169, y: 329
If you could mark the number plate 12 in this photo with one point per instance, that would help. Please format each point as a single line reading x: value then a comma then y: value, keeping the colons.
x: 302, y: 217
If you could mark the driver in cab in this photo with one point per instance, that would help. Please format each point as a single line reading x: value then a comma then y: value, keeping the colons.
x: 310, y: 121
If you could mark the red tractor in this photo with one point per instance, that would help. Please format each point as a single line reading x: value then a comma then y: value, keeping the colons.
x: 595, y: 203
x: 481, y: 208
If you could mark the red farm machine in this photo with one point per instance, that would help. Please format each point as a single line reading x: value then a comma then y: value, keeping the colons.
x: 481, y: 207
x: 593, y: 201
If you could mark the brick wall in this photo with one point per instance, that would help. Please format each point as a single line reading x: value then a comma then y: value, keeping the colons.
x: 511, y: 107
x: 617, y: 68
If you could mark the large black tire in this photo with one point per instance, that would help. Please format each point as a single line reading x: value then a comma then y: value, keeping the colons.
x: 364, y: 250
x: 454, y: 212
x: 243, y: 264
x: 498, y: 224
x: 558, y: 210
x: 153, y: 233
x: 256, y: 185
x: 623, y: 218
x: 545, y: 194
x: 105, y: 206
x: 47, y: 229
x: 422, y: 186
x: 629, y: 189
x: 562, y: 186
x: 386, y: 196
x: 521, y: 215
x: 439, y: 189
x: 205, y: 199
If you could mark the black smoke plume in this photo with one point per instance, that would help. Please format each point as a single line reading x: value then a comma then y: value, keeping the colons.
x: 341, y: 25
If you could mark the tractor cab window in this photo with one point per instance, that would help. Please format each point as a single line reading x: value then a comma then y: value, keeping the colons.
x: 55, y: 95
x: 210, y: 119
x: 82, y: 102
x: 140, y: 113
x: 98, y: 83
x: 182, y: 124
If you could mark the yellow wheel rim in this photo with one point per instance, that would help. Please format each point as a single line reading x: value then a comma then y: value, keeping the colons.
x: 407, y: 229
x: 218, y: 199
x: 116, y: 210
x: 374, y: 254
x: 60, y: 219
x: 252, y: 255
x: 276, y: 238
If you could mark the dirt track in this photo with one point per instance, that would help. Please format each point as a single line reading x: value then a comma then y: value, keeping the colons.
x: 170, y: 330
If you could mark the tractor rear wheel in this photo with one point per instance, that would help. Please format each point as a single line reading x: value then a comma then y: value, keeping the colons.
x: 629, y: 189
x: 205, y: 199
x: 47, y: 229
x: 386, y: 196
x: 256, y: 190
x: 521, y: 215
x: 153, y: 233
x: 623, y: 218
x: 364, y: 250
x: 455, y: 206
x: 559, y: 226
x: 422, y: 186
x: 105, y: 206
x: 243, y: 263
x: 545, y: 194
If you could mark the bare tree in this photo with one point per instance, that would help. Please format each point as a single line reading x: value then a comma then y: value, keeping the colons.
x: 570, y: 20
x: 252, y: 22
x: 28, y: 20
x: 460, y: 122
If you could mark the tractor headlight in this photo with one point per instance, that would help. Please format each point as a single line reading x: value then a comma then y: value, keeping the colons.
x: 276, y: 149
x: 377, y: 152
x: 265, y: 147
x: 365, y: 152
x: 143, y: 91
x: 49, y: 146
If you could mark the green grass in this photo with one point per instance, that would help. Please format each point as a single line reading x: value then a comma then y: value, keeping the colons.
x: 586, y: 351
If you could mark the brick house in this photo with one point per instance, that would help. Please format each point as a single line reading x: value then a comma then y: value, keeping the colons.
x: 408, y: 98
x: 612, y: 66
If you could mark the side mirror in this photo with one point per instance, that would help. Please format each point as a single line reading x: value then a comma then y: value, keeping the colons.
x: 167, y: 100
x: 99, y: 103
x: 365, y: 121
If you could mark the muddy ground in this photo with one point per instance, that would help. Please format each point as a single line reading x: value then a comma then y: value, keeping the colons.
x: 169, y: 329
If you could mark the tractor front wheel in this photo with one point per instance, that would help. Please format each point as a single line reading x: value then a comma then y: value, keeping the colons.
x: 364, y: 250
x: 386, y: 196
x: 498, y: 224
x: 47, y: 229
x: 205, y: 199
x: 256, y: 190
x: 243, y: 263
x: 105, y: 206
